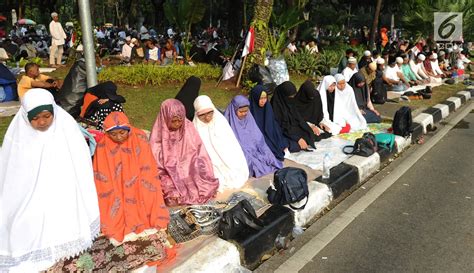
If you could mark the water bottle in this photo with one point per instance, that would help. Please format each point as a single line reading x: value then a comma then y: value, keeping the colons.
x: 326, y: 166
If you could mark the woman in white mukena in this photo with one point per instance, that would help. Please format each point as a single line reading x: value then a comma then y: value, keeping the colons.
x: 48, y: 201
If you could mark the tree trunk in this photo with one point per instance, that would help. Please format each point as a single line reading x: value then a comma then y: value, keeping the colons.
x: 262, y: 14
x: 375, y: 25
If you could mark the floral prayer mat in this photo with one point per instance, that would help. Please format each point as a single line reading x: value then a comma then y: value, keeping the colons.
x: 104, y: 257
x: 374, y: 128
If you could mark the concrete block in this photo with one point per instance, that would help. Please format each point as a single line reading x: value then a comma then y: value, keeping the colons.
x: 417, y: 131
x: 444, y: 109
x: 435, y: 112
x: 213, y: 257
x: 467, y: 94
x: 462, y: 97
x: 450, y: 104
x: 342, y: 178
x: 425, y: 120
x: 319, y: 198
x: 365, y: 165
x: 457, y: 102
x: 402, y: 143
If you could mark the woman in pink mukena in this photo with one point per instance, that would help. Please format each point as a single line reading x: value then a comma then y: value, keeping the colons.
x: 184, y: 166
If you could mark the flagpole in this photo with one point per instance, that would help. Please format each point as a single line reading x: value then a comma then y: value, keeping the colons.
x: 241, y: 70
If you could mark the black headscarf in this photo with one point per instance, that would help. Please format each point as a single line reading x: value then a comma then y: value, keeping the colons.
x: 106, y: 90
x: 361, y: 93
x: 292, y: 124
x: 308, y: 103
x: 265, y: 120
x: 188, y: 93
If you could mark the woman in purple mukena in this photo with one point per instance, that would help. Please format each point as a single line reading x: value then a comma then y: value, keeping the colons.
x: 260, y: 159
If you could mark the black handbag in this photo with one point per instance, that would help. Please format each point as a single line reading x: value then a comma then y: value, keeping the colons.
x: 364, y: 146
x: 290, y: 185
x: 237, y: 218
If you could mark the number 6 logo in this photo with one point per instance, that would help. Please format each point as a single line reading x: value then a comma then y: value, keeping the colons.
x: 448, y: 26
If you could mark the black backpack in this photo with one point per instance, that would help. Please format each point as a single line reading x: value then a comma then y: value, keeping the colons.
x: 364, y: 146
x: 402, y: 122
x: 261, y: 75
x: 290, y: 185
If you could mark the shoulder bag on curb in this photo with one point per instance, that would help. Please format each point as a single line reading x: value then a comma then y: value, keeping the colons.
x: 235, y: 219
x: 364, y: 146
x: 385, y: 140
x: 290, y: 185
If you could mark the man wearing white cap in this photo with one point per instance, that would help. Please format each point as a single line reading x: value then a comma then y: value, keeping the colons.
x: 418, y: 68
x: 351, y: 68
x: 58, y: 37
x: 366, y: 59
x: 395, y: 77
x: 435, y: 66
x: 127, y: 50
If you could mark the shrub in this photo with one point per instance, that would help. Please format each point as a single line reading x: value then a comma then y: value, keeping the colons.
x: 304, y: 63
x: 142, y: 74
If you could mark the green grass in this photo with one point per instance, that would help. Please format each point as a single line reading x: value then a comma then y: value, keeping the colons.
x: 143, y: 102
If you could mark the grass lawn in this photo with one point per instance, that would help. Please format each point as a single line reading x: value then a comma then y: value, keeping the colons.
x: 143, y: 103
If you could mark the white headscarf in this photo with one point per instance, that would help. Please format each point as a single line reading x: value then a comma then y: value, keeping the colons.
x: 345, y: 106
x: 228, y: 159
x: 346, y: 109
x: 48, y: 201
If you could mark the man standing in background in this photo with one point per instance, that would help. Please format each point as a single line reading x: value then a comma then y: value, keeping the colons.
x: 58, y: 37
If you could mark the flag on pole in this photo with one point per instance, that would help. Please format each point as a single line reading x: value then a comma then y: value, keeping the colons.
x: 249, y: 42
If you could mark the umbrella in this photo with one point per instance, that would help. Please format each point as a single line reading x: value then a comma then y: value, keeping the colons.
x: 108, y: 25
x: 26, y: 22
x: 2, y: 18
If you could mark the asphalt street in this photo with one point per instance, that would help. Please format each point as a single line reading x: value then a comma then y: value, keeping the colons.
x: 424, y: 222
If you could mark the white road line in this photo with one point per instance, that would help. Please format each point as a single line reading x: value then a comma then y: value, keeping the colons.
x: 304, y: 255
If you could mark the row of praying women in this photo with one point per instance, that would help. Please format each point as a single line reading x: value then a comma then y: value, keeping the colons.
x: 47, y: 178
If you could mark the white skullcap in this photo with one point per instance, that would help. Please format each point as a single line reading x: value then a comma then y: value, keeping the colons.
x: 421, y: 57
x: 373, y: 66
x: 367, y: 53
x: 399, y: 60
x: 339, y: 77
x: 127, y: 38
x: 54, y: 14
x: 434, y: 56
x: 449, y: 50
x: 380, y: 61
x: 352, y: 60
x: 441, y: 53
x: 455, y: 48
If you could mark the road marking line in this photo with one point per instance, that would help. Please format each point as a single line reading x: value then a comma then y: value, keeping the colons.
x: 300, y: 258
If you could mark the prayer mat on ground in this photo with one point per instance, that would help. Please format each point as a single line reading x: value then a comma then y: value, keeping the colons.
x: 374, y: 128
x: 105, y: 257
x: 314, y: 158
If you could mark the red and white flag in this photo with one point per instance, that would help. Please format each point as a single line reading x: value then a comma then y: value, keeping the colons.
x: 249, y: 41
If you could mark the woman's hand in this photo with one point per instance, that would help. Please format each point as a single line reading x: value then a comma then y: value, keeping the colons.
x: 316, y: 130
x: 303, y: 144
x: 325, y: 127
x: 102, y: 101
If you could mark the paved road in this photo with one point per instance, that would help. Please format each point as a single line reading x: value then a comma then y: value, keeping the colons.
x: 423, y: 223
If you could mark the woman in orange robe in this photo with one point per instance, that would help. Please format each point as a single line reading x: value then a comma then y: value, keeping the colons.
x: 126, y: 178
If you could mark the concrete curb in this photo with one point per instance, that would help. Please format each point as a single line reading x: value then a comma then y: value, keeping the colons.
x: 345, y: 176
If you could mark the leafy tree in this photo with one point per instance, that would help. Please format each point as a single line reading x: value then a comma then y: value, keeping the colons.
x: 183, y: 14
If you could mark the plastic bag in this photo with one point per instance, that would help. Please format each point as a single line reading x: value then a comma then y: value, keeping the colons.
x: 71, y: 94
